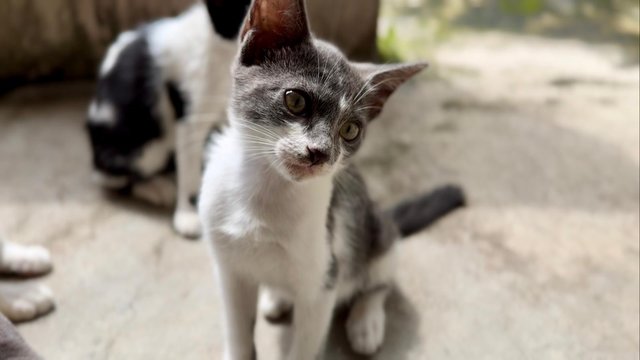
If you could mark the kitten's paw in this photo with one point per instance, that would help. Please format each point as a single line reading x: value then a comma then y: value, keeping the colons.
x: 187, y: 224
x: 275, y: 308
x: 23, y: 302
x: 24, y: 260
x: 365, y: 328
x: 157, y: 191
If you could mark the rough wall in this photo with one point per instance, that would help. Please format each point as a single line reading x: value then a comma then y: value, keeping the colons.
x: 350, y: 24
x: 65, y: 38
x: 57, y: 39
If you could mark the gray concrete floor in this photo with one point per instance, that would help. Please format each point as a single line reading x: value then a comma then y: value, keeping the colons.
x: 543, y: 264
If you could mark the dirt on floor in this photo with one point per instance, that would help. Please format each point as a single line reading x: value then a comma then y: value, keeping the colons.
x: 543, y: 263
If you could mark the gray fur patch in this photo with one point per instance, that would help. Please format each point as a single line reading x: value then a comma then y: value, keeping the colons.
x: 318, y: 70
x: 332, y: 273
x: 370, y: 232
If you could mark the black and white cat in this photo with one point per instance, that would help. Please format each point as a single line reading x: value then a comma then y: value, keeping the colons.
x: 280, y: 203
x: 161, y: 88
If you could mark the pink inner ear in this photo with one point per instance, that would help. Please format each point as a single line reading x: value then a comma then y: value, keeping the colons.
x: 385, y: 79
x: 280, y: 18
x: 272, y: 25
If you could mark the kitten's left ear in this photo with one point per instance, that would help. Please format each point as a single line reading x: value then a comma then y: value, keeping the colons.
x: 272, y: 25
x: 382, y: 81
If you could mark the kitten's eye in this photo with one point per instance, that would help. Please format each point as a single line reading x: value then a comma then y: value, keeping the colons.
x: 296, y: 101
x: 350, y: 131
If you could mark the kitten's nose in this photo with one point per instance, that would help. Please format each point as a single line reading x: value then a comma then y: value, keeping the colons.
x: 316, y: 156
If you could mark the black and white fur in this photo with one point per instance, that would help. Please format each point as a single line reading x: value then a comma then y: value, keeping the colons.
x: 161, y: 87
x: 281, y: 205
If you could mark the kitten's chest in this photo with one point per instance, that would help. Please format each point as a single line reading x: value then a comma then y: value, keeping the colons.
x: 269, y: 215
x: 274, y: 241
x: 269, y: 227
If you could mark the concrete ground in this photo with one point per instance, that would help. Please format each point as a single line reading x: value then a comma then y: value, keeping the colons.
x: 542, y: 264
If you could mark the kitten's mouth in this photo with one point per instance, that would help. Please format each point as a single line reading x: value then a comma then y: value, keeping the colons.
x: 300, y: 171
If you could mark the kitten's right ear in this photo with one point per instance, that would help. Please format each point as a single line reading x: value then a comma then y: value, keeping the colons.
x: 272, y: 25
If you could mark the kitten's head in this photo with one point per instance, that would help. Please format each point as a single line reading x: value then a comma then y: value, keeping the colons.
x: 126, y: 146
x: 297, y: 100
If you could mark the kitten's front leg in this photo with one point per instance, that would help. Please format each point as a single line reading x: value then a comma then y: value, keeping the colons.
x: 311, y: 321
x: 276, y: 307
x: 190, y: 139
x: 239, y: 298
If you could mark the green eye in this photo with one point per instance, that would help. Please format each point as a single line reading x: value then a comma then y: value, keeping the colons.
x: 350, y: 131
x: 296, y: 101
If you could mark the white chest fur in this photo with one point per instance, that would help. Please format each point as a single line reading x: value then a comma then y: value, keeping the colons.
x: 269, y: 228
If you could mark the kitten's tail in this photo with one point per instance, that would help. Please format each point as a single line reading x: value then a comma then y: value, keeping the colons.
x: 416, y: 214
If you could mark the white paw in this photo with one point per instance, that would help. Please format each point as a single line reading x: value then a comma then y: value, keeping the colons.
x: 365, y: 328
x: 187, y: 223
x: 23, y: 302
x: 275, y: 308
x: 24, y: 260
x: 158, y: 191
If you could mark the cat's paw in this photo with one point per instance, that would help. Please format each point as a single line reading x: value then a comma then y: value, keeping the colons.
x: 24, y: 260
x: 365, y: 329
x: 157, y: 191
x: 187, y: 224
x: 275, y: 308
x: 25, y: 301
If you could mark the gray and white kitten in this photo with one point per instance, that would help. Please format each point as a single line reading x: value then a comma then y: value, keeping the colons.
x: 280, y: 204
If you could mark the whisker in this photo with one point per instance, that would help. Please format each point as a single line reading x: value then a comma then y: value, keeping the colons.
x: 373, y: 88
x: 368, y: 108
x: 256, y: 126
x: 263, y: 132
x: 318, y: 67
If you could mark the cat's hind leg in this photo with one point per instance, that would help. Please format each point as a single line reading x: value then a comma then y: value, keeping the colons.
x: 367, y: 321
x: 367, y: 318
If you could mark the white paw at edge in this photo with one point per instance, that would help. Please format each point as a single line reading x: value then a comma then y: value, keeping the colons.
x: 25, y: 301
x: 365, y: 329
x: 187, y: 223
x: 24, y: 260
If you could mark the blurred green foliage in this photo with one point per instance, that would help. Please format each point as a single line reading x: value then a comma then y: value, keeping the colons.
x: 521, y: 7
x: 410, y: 28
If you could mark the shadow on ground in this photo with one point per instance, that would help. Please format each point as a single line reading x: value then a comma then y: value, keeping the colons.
x: 401, y: 333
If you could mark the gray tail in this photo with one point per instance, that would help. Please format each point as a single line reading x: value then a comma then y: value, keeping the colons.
x: 413, y: 215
